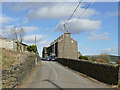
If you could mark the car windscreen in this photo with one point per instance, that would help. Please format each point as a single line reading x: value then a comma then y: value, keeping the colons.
x: 52, y: 56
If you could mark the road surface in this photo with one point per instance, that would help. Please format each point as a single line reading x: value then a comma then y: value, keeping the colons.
x: 53, y: 75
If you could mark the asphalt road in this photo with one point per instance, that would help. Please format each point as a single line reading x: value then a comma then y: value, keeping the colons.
x: 53, y: 75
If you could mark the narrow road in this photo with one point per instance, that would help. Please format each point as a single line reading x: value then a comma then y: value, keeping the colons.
x: 53, y: 75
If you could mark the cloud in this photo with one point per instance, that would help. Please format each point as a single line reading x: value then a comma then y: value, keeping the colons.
x: 113, y: 50
x: 44, y: 42
x: 108, y: 49
x: 29, y: 28
x: 111, y: 13
x: 5, y: 19
x: 94, y: 36
x: 31, y: 38
x: 77, y: 26
x: 22, y: 6
x: 6, y: 30
x: 58, y: 11
x: 49, y: 10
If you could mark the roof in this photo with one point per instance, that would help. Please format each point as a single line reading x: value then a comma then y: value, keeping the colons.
x: 22, y: 44
x: 60, y: 38
x: 56, y: 40
x: 45, y: 47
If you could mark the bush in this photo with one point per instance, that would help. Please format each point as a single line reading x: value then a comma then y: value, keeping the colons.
x: 83, y: 57
x: 32, y: 48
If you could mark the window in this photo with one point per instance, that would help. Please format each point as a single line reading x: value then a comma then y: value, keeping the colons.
x: 72, y: 41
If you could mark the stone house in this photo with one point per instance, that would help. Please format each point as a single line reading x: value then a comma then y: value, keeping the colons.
x: 11, y: 44
x: 8, y: 44
x: 63, y: 47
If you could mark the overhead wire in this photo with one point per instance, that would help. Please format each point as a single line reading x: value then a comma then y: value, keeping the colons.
x: 82, y: 13
x: 76, y: 19
x: 73, y: 12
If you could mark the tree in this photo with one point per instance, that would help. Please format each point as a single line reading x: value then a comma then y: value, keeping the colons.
x: 104, y: 56
x: 18, y: 34
x: 32, y: 48
x: 83, y: 57
x: 21, y: 34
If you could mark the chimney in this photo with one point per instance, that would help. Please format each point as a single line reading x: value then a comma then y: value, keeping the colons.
x: 67, y: 35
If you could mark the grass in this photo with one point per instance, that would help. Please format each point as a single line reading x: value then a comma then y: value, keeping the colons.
x: 9, y: 57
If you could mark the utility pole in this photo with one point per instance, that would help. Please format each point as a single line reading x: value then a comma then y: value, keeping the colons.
x: 54, y: 48
x: 35, y: 40
x: 36, y: 59
x: 63, y: 38
x: 63, y: 29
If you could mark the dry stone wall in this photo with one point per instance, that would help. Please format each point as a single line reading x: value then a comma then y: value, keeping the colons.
x: 17, y: 73
x: 103, y: 72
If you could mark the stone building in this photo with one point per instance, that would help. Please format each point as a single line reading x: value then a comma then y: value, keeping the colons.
x: 11, y: 44
x: 44, y: 52
x: 8, y: 44
x: 63, y: 47
x: 23, y: 47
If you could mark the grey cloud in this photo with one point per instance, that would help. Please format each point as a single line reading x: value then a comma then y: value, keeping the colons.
x: 59, y: 10
x: 77, y: 26
x: 31, y: 38
x: 6, y: 30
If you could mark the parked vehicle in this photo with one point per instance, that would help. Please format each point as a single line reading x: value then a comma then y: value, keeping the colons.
x: 112, y: 62
x: 44, y: 59
x: 52, y: 57
x: 48, y: 58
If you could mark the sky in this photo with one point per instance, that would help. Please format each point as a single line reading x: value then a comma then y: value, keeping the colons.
x: 96, y: 31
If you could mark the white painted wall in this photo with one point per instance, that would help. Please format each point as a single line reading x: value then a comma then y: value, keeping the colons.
x: 8, y: 44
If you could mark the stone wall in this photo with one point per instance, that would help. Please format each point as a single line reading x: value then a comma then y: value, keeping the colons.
x: 103, y: 72
x: 17, y: 73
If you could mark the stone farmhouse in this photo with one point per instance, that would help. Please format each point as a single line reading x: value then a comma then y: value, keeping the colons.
x: 63, y: 47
